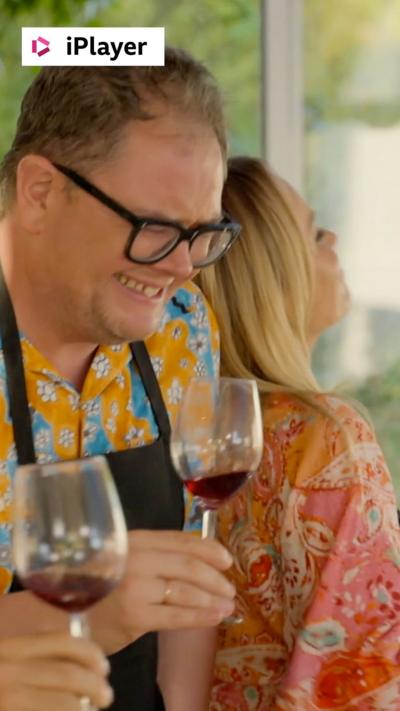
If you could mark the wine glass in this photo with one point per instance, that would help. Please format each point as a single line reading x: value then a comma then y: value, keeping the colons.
x: 69, y: 536
x: 217, y: 441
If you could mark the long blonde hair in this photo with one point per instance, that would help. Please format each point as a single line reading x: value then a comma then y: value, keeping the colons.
x: 261, y: 290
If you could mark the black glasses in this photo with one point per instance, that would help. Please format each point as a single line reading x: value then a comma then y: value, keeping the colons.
x: 151, y: 240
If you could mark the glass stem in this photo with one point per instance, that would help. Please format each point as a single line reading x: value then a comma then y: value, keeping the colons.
x: 209, y: 524
x: 79, y: 627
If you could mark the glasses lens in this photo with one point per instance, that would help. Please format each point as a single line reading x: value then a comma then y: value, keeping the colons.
x: 210, y: 246
x: 153, y: 241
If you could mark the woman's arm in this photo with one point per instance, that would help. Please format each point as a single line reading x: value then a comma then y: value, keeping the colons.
x: 317, y: 567
x: 185, y: 666
x: 341, y: 552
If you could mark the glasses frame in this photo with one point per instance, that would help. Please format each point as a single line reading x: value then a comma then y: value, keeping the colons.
x: 138, y: 223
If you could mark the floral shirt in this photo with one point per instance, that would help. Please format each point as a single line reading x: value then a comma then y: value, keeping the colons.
x: 317, y: 568
x: 112, y: 411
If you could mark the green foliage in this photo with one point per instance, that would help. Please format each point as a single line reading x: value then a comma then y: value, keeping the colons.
x: 57, y: 10
x: 381, y: 390
x: 224, y: 33
x: 338, y: 33
x: 381, y: 395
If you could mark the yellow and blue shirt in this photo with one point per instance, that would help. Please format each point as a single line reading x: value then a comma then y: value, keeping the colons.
x: 112, y: 411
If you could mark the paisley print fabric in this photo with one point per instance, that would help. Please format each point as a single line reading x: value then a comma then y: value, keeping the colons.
x: 317, y: 568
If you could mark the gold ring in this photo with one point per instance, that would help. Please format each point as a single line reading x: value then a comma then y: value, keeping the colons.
x: 167, y: 593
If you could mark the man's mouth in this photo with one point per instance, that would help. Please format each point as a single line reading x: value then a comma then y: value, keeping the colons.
x: 151, y: 292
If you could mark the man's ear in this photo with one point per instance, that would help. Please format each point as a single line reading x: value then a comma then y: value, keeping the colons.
x: 34, y: 182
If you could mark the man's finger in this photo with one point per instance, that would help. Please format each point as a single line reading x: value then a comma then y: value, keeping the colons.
x: 208, y: 550
x: 178, y: 566
x: 54, y: 646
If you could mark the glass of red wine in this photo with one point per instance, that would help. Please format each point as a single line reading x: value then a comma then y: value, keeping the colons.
x: 217, y: 441
x: 69, y: 536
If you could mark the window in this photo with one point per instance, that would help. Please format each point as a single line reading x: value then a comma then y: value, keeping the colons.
x: 352, y: 179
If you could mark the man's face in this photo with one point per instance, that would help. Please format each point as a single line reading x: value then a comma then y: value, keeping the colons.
x: 166, y: 168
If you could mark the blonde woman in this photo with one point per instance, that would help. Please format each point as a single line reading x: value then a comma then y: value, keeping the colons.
x: 315, y: 536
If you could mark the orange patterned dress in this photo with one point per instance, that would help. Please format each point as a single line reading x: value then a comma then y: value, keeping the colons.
x: 317, y: 568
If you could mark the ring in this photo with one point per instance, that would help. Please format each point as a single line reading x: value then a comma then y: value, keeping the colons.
x: 167, y: 593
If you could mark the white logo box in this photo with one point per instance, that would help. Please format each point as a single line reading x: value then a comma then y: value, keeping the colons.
x: 92, y: 46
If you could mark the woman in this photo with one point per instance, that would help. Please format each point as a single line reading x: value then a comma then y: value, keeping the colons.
x: 315, y: 535
x: 51, y: 672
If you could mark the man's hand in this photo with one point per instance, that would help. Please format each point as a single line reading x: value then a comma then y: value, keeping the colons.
x: 174, y: 580
x: 51, y: 671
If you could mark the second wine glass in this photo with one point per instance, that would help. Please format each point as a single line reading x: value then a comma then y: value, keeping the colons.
x: 217, y: 441
x: 69, y: 535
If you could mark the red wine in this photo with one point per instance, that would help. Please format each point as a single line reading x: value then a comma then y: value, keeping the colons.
x: 215, y: 489
x: 72, y: 592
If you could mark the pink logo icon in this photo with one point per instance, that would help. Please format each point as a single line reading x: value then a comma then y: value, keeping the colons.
x: 45, y: 49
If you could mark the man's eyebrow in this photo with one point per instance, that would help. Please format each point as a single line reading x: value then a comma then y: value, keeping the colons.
x: 155, y: 215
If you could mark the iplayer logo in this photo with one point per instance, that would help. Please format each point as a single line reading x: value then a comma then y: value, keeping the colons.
x: 92, y: 47
x: 44, y: 49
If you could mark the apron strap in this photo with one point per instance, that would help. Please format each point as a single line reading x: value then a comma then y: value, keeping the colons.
x: 16, y: 384
x: 15, y: 380
x: 152, y: 388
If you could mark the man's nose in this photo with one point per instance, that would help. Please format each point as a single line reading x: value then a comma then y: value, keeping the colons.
x: 178, y: 263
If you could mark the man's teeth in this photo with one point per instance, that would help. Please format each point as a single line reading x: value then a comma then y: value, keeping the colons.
x: 137, y: 286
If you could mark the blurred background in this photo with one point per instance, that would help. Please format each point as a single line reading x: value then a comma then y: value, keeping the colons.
x: 313, y: 86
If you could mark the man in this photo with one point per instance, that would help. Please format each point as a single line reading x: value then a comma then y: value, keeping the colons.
x: 111, y: 199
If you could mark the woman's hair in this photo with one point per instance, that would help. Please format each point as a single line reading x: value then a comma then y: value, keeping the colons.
x: 261, y: 291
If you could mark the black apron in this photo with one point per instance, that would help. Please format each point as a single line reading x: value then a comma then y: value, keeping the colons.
x: 149, y: 489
